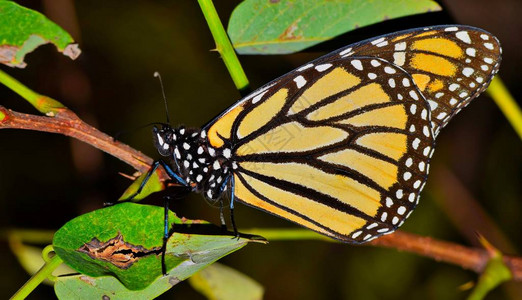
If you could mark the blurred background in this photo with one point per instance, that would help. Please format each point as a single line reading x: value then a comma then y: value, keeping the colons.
x: 45, y: 180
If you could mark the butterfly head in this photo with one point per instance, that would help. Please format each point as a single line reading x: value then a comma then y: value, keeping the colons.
x: 164, y: 139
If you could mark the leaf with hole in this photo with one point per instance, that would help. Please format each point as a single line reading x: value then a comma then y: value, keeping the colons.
x: 22, y: 30
x: 125, y: 241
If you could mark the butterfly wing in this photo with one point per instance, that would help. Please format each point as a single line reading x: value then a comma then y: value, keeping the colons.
x: 342, y: 145
x: 337, y: 148
x: 451, y: 65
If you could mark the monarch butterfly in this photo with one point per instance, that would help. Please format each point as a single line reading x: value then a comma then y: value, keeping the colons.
x: 341, y: 145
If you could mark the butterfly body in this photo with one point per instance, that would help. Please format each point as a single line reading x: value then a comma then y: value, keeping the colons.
x: 341, y: 145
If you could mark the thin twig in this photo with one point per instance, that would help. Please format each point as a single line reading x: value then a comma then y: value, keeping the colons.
x: 68, y: 123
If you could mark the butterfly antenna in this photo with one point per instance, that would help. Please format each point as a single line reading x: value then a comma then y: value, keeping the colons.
x: 157, y: 75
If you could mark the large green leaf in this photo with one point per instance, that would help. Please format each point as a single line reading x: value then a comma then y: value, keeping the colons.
x: 125, y: 241
x: 219, y: 282
x: 287, y: 26
x: 22, y: 30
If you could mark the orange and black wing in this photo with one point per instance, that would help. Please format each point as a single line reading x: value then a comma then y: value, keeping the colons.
x: 342, y: 145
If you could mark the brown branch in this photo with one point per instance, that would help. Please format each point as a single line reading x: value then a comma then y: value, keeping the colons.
x: 67, y: 123
x: 470, y: 258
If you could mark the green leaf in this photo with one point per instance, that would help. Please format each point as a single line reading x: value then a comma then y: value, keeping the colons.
x: 218, y: 282
x: 153, y: 185
x: 125, y: 241
x: 22, y: 30
x: 287, y: 26
x: 107, y: 287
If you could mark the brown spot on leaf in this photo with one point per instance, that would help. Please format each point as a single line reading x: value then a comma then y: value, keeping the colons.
x: 289, y: 33
x: 117, y: 252
x: 88, y: 280
x: 72, y: 51
x: 174, y: 280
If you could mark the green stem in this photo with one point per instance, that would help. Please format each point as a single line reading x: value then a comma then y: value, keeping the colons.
x: 37, y: 278
x: 223, y: 45
x: 42, y: 103
x: 507, y: 104
x: 287, y: 234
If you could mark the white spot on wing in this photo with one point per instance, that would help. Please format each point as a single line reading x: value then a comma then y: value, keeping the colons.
x: 300, y: 81
x: 323, y: 67
x: 357, y: 64
x: 463, y: 36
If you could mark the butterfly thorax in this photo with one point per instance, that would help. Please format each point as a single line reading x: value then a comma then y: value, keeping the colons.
x: 204, y: 168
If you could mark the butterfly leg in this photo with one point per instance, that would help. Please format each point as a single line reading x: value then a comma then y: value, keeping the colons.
x: 153, y: 168
x: 232, y: 220
x: 165, y: 234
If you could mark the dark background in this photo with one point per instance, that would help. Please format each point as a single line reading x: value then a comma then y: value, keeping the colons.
x: 47, y: 179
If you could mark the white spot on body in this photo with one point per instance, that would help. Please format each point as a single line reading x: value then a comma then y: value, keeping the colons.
x: 489, y: 46
x: 200, y: 150
x: 384, y: 216
x: 389, y: 202
x: 405, y: 82
x: 375, y: 63
x: 186, y: 146
x: 199, y: 178
x: 372, y: 75
x: 439, y: 94
x: 488, y: 60
x: 433, y: 105
x: 412, y: 128
x: 176, y: 152
x: 395, y: 220
x: 451, y: 29
x: 216, y: 165
x: 391, y: 82
x: 399, y: 194
x: 227, y: 153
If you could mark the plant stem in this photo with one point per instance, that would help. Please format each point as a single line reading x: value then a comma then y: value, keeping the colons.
x: 223, y: 45
x: 42, y: 103
x: 507, y: 104
x: 37, y: 278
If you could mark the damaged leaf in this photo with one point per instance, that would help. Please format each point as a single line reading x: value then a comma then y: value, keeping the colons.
x: 288, y: 26
x: 125, y: 241
x: 22, y: 30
